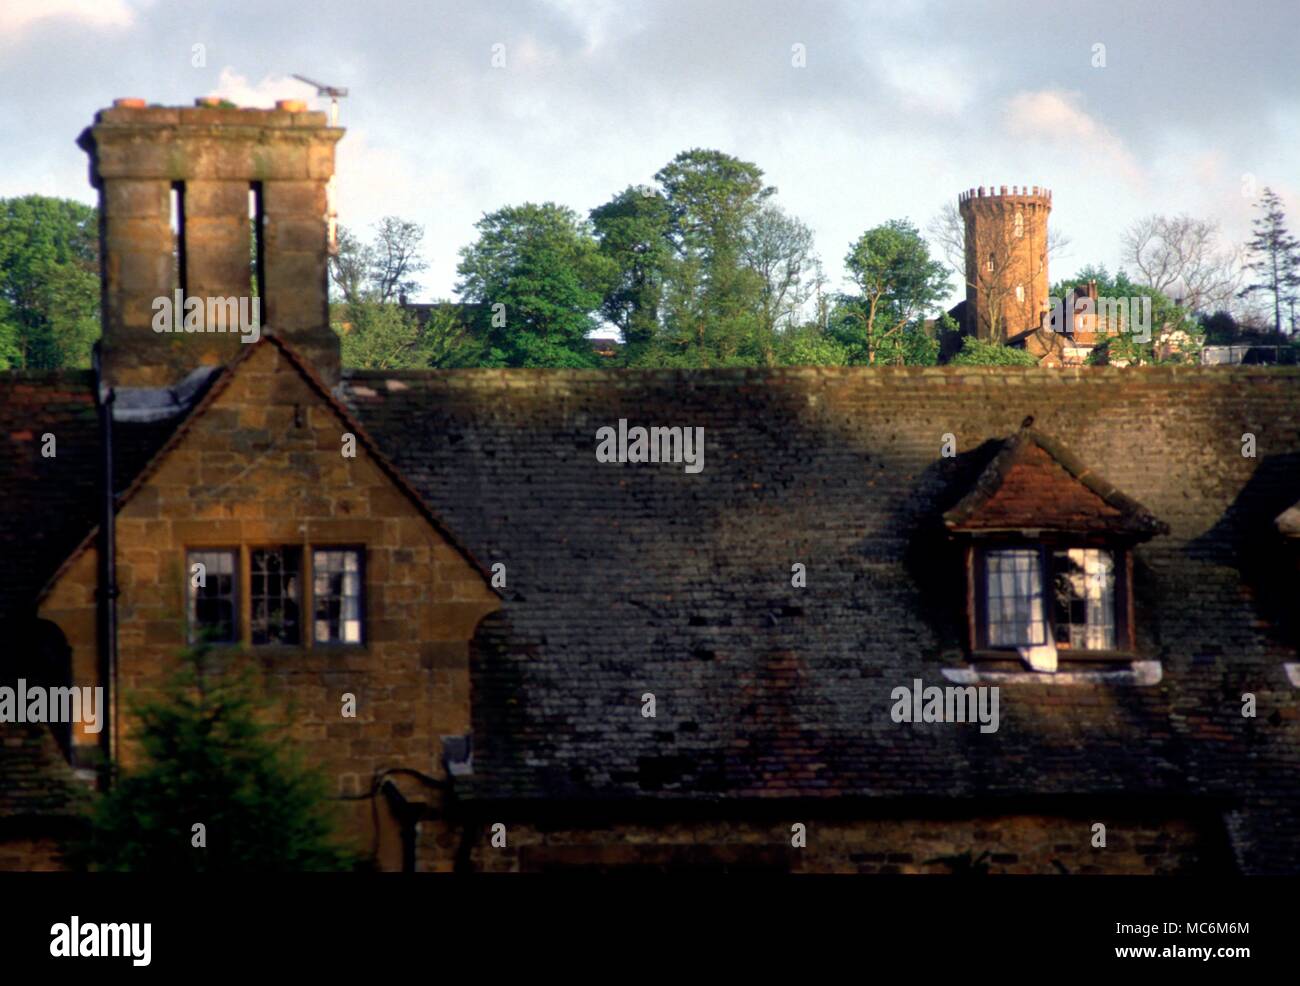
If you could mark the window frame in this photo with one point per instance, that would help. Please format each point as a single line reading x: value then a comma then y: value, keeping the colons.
x: 362, y: 595
x: 236, y: 595
x: 977, y: 595
x: 303, y: 597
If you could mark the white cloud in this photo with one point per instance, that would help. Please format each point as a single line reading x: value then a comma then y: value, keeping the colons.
x: 236, y: 88
x: 15, y: 15
x: 1054, y: 119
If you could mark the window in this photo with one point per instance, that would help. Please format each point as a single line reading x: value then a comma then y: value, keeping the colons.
x: 1083, y: 598
x: 275, y: 588
x: 1081, y: 589
x: 1014, y: 615
x: 336, y: 591
x: 1020, y: 293
x: 989, y: 265
x: 1020, y: 225
x: 212, y: 609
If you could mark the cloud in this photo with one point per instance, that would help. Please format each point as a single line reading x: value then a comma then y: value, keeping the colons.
x: 236, y: 88
x: 15, y: 15
x: 1054, y: 119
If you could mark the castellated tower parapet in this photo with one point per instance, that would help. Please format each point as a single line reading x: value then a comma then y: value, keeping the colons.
x: 217, y: 203
x: 1006, y: 259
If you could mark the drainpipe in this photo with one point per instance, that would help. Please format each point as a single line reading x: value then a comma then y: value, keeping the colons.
x: 108, y: 570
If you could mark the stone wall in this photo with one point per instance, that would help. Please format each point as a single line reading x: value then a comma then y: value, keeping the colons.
x: 262, y: 466
x: 214, y: 157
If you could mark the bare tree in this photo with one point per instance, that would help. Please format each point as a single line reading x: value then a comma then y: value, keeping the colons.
x: 779, y: 248
x: 995, y: 266
x: 396, y: 257
x: 1180, y: 257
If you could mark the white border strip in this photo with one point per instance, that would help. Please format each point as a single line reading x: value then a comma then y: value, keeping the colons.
x: 1142, y: 673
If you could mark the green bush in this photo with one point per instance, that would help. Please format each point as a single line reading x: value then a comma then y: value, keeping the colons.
x: 976, y: 352
x: 211, y: 759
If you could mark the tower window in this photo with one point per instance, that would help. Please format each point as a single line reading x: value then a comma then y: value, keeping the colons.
x: 989, y: 265
x: 1020, y: 224
x: 256, y: 247
x: 1020, y: 293
x: 178, y: 235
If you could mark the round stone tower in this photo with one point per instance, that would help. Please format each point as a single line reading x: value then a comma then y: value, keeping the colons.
x: 1006, y: 259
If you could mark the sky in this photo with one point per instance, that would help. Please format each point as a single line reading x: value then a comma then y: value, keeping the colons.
x: 858, y: 112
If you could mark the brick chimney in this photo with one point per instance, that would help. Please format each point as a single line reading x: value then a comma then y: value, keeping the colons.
x: 175, y: 187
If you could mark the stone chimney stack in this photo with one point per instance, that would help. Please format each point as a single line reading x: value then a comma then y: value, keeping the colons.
x: 217, y: 203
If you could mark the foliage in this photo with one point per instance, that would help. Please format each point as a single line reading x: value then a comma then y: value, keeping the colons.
x: 539, y: 275
x: 977, y: 352
x: 808, y: 345
x: 898, y: 284
x: 633, y: 230
x: 49, y: 282
x: 377, y: 336
x: 383, y: 270
x: 1274, y: 259
x: 209, y: 757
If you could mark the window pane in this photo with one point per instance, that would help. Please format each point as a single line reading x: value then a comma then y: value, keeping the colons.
x: 1083, y: 581
x: 212, y: 610
x: 275, y: 595
x: 1014, y: 610
x: 337, y: 616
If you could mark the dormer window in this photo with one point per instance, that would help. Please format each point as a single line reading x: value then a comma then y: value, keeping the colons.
x: 1061, y: 597
x: 1048, y: 548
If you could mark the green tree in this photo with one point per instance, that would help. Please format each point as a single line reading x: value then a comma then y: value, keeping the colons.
x: 539, y: 276
x: 713, y: 306
x: 383, y: 270
x: 633, y: 229
x: 49, y: 282
x: 378, y: 336
x: 898, y: 285
x: 1274, y: 259
x: 210, y: 758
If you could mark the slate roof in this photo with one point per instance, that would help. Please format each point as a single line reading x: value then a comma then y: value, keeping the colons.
x: 49, y: 504
x: 632, y: 579
x: 628, y: 579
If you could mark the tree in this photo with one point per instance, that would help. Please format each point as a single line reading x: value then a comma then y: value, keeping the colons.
x: 714, y: 303
x: 898, y: 286
x: 383, y: 270
x: 210, y: 759
x: 1275, y: 258
x: 779, y: 248
x: 350, y: 267
x: 539, y: 275
x: 1180, y: 257
x: 377, y: 336
x: 49, y: 282
x: 633, y: 229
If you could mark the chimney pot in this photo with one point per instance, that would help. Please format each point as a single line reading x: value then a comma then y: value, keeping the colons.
x: 208, y: 101
x: 129, y: 103
x: 291, y: 105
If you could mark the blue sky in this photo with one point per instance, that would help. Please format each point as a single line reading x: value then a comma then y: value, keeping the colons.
x: 900, y: 104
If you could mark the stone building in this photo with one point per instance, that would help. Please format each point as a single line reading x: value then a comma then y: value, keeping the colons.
x: 565, y: 663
